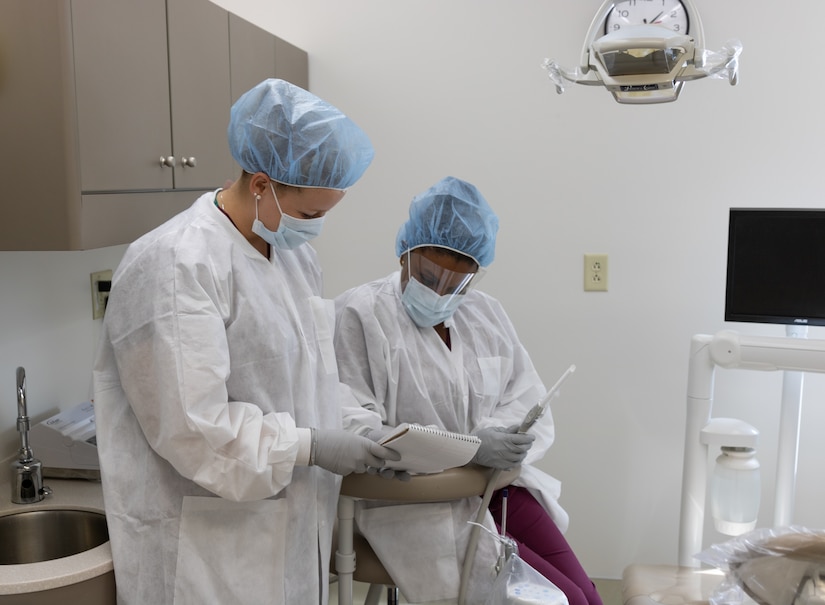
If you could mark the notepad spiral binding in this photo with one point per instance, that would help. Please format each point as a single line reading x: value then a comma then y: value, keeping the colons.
x: 459, y: 436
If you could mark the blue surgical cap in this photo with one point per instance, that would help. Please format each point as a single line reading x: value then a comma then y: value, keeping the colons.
x: 451, y: 214
x: 296, y: 138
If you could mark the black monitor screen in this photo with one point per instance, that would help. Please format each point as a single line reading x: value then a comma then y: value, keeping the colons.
x: 776, y: 266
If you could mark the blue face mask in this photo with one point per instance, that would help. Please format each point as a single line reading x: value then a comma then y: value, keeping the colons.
x: 292, y: 232
x: 426, y: 307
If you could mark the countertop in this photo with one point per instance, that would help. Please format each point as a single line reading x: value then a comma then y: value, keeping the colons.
x: 76, y: 494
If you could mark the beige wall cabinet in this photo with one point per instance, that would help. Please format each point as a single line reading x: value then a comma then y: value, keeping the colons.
x: 113, y: 113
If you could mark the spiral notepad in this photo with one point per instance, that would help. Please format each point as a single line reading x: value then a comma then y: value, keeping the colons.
x: 425, y: 449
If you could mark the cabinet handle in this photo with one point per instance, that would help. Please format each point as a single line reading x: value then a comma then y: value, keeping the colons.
x: 190, y: 161
x: 167, y: 161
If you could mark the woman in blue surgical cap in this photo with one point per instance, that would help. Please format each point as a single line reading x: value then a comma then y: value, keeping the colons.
x: 217, y: 398
x: 422, y: 345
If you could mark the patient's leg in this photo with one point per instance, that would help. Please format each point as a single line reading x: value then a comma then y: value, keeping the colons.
x: 543, y: 546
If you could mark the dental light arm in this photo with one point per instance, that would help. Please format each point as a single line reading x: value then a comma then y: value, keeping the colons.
x: 643, y: 64
x: 729, y: 350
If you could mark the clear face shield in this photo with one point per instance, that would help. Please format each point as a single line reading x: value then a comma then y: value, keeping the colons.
x: 434, y: 281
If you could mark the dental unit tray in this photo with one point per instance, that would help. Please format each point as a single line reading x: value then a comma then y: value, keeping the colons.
x: 66, y: 444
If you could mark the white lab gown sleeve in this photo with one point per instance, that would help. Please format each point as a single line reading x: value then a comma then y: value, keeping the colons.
x: 356, y: 418
x: 364, y: 362
x: 173, y: 361
x: 507, y: 385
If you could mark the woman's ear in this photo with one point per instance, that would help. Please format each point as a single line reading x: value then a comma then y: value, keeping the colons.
x: 258, y: 184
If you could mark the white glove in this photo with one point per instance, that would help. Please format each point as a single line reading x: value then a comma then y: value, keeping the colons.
x: 342, y: 452
x: 502, y: 447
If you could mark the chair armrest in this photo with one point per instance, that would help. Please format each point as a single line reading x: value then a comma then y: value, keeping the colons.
x: 451, y: 484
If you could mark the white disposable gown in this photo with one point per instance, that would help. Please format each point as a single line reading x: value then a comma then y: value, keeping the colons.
x: 407, y: 374
x: 211, y: 355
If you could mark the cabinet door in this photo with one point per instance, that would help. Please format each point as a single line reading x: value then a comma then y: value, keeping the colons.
x: 199, y: 76
x: 252, y: 55
x: 120, y: 218
x: 257, y: 55
x: 37, y: 168
x: 122, y: 81
x: 291, y: 63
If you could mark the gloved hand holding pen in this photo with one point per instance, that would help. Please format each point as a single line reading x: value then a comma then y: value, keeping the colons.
x: 387, y: 473
x: 378, y: 434
x: 502, y: 447
x: 342, y: 452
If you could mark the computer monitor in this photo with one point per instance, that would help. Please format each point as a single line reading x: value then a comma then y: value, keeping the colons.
x: 776, y: 266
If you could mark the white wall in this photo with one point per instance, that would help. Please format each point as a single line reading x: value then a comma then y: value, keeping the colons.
x: 46, y: 327
x: 457, y: 88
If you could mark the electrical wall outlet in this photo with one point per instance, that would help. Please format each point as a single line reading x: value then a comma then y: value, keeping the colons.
x: 595, y: 272
x: 101, y: 284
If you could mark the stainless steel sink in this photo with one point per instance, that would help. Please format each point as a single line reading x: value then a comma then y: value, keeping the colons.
x: 42, y: 535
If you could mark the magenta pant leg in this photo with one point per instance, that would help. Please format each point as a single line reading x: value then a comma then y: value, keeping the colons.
x: 543, y: 546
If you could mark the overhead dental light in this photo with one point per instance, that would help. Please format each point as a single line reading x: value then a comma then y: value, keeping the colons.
x: 643, y: 51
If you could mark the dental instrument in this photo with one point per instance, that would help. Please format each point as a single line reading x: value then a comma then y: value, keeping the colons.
x: 538, y: 410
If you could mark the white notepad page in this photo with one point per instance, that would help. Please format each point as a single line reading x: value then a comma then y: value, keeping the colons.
x: 425, y: 449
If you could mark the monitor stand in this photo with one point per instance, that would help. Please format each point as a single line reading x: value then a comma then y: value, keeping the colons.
x: 788, y: 449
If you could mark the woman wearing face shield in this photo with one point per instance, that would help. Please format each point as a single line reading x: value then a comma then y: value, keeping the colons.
x: 422, y: 345
x: 217, y: 399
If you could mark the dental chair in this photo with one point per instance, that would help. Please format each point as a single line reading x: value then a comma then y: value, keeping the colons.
x: 349, y: 547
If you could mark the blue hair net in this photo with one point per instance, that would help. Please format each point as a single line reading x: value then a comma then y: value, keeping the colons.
x: 453, y: 214
x: 296, y: 138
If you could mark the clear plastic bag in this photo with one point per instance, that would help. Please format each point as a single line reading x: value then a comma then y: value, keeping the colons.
x: 519, y: 584
x: 783, y: 566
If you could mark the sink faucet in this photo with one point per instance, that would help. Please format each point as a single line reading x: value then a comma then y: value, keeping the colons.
x: 27, y: 475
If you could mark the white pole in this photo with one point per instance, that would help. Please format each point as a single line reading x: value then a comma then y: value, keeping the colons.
x: 788, y: 445
x: 694, y: 470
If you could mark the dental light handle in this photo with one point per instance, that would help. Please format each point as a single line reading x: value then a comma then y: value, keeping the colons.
x: 538, y: 410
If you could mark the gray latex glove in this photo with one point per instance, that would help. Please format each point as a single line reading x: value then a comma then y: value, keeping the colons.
x: 387, y: 473
x: 502, y: 447
x: 390, y: 473
x: 342, y: 452
x: 379, y: 433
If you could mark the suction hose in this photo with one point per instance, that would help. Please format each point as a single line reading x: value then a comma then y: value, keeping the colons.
x: 472, y: 544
